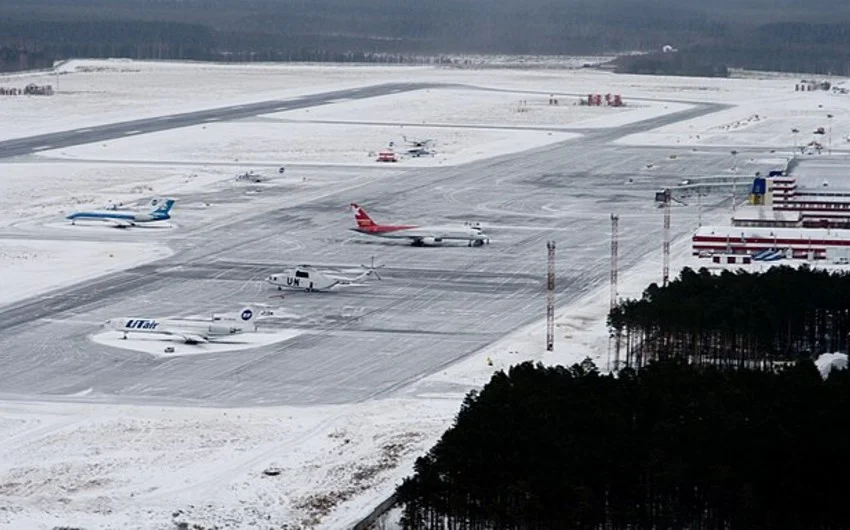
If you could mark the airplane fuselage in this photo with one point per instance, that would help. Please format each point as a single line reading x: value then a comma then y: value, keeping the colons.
x: 117, y: 216
x: 124, y: 219
x: 190, y: 331
x: 425, y: 235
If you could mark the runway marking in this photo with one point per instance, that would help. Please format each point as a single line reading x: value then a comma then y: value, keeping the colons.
x: 128, y: 133
x: 42, y: 147
x: 281, y: 108
x: 211, y: 119
x: 78, y: 131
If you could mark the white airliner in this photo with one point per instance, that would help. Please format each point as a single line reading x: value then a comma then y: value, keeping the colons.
x: 190, y: 331
x: 307, y: 278
x: 426, y: 236
x: 124, y: 219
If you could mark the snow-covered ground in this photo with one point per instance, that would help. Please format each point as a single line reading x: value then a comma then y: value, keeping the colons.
x: 96, y: 92
x: 455, y: 106
x: 770, y: 123
x: 108, y: 465
x: 32, y: 267
x: 281, y: 144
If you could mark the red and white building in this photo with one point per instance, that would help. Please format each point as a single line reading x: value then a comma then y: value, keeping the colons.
x: 806, y: 218
x: 802, y: 243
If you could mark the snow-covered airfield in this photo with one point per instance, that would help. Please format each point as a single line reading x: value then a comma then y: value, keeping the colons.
x: 356, y: 383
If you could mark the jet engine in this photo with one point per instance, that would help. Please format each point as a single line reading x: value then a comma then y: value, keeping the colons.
x: 431, y: 241
x: 223, y: 330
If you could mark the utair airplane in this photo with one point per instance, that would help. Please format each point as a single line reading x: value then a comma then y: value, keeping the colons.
x: 124, y: 219
x: 308, y: 278
x: 423, y: 236
x: 190, y: 331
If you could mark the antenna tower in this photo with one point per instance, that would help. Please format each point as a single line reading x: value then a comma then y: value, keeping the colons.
x: 615, y: 247
x: 666, y: 235
x: 550, y: 298
x: 615, y: 244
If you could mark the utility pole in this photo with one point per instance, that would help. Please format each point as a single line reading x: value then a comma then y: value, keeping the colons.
x: 666, y: 235
x: 735, y: 176
x: 699, y: 204
x: 829, y: 116
x: 550, y: 298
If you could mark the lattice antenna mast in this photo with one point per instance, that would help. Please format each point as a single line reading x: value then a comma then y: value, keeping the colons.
x: 666, y: 235
x: 550, y: 298
x: 615, y: 249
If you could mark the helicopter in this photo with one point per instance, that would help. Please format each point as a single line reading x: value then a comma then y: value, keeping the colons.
x: 309, y: 278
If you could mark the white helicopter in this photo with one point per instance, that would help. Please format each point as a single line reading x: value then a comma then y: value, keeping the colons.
x: 309, y: 278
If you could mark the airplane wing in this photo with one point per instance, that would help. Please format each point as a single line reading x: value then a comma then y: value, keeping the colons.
x: 188, y: 337
x: 120, y: 223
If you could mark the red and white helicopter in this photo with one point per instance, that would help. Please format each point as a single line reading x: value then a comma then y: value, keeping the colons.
x: 423, y: 236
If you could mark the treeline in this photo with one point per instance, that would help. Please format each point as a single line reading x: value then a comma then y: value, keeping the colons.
x: 14, y: 59
x: 687, y: 63
x: 736, y: 318
x: 671, y: 446
x: 754, y: 34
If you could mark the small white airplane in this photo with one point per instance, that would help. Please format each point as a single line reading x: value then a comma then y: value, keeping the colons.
x: 124, y: 219
x: 422, y: 236
x: 417, y: 148
x: 308, y: 278
x: 190, y: 331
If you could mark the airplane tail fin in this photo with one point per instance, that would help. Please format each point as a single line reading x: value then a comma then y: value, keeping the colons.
x: 161, y: 206
x: 362, y: 218
x: 247, y: 318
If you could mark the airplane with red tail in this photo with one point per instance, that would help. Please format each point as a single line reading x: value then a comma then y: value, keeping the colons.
x: 421, y: 236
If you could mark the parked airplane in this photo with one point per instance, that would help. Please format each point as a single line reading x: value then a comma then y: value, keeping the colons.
x: 190, y: 331
x: 419, y: 148
x: 427, y: 236
x: 310, y: 278
x: 124, y: 219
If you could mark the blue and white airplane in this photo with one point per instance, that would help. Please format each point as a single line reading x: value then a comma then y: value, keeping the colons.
x: 124, y: 219
x: 190, y: 331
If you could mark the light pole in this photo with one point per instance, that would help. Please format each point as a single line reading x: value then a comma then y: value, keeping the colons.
x: 829, y: 117
x: 795, y: 131
x: 735, y: 176
x: 699, y: 204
